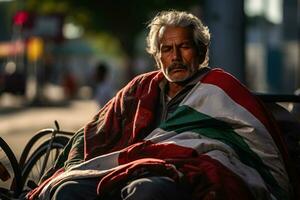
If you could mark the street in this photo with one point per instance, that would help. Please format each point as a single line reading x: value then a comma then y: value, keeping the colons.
x: 18, y: 126
x: 19, y: 123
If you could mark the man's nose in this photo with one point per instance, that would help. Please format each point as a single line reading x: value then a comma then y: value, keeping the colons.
x: 176, y: 54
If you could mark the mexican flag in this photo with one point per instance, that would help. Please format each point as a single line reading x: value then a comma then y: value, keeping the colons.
x: 218, y: 140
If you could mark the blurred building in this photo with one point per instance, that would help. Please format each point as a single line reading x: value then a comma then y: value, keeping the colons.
x: 272, y: 46
x: 257, y: 41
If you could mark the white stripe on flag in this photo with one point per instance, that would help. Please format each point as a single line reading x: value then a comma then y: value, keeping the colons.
x: 104, y: 162
x: 191, y: 140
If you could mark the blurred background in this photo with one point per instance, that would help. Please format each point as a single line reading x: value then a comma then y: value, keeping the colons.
x: 51, y: 50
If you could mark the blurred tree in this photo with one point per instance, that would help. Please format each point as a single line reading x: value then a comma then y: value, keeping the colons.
x: 122, y: 19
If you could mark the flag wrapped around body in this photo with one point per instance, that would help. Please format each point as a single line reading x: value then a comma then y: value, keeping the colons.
x: 220, y: 141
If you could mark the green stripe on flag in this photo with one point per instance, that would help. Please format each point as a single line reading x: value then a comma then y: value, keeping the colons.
x: 186, y: 118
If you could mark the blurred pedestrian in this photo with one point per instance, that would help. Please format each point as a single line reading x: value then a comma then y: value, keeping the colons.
x: 69, y: 84
x: 103, y: 89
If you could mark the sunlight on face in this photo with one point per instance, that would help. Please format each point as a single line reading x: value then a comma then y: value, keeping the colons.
x: 178, y: 56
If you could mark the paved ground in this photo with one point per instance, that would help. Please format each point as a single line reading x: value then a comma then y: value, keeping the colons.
x: 18, y: 124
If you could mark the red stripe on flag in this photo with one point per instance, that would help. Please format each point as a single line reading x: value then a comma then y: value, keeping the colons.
x: 149, y: 149
x: 209, y: 179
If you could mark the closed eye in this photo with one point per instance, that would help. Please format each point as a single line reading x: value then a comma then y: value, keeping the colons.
x: 166, y: 49
x: 186, y: 45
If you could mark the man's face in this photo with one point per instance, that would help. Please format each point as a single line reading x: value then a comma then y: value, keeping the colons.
x: 178, y: 57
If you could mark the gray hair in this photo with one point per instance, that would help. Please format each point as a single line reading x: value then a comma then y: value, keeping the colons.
x: 177, y: 18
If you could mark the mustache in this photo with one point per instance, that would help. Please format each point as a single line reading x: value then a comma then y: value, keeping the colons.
x: 176, y: 65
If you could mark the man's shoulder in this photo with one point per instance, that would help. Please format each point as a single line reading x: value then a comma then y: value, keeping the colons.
x: 147, y: 77
x: 145, y: 80
x: 220, y: 76
x: 225, y: 81
x: 219, y: 71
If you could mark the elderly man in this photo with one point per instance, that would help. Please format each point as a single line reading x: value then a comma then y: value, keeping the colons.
x: 183, y: 132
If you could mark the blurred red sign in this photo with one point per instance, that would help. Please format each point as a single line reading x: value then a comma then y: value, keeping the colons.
x: 21, y: 18
x: 48, y: 26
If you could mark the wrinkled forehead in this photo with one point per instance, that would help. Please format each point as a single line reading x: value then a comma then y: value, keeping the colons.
x: 171, y: 32
x: 184, y: 26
